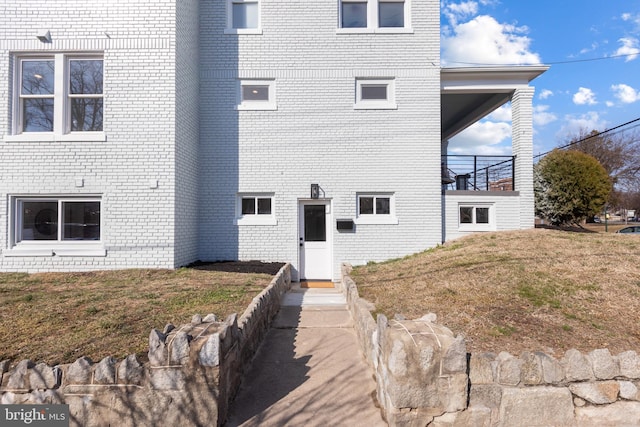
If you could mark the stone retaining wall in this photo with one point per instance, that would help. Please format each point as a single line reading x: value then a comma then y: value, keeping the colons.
x: 425, y: 377
x: 192, y: 374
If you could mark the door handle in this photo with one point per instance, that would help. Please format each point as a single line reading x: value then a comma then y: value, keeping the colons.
x: 301, y: 242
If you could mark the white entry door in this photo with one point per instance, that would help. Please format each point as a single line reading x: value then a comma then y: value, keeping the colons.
x: 314, y: 235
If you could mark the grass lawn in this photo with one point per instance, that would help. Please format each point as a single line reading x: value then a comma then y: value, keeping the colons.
x: 58, y: 317
x: 535, y: 290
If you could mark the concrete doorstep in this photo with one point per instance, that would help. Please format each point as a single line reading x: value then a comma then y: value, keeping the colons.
x: 309, y: 369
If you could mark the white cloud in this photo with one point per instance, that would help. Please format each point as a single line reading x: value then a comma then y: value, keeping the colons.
x: 483, y: 138
x: 609, y: 104
x: 630, y: 47
x: 584, y: 96
x: 585, y: 122
x: 631, y: 17
x: 626, y: 93
x: 541, y: 115
x: 483, y: 40
x: 546, y: 93
x: 501, y: 114
x: 457, y: 11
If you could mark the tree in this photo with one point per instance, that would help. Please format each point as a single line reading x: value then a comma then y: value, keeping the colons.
x: 569, y: 186
x: 619, y: 154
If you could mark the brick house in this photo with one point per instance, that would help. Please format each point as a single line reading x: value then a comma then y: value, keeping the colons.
x: 158, y: 133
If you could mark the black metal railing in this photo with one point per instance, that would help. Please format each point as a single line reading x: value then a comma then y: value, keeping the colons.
x: 478, y: 173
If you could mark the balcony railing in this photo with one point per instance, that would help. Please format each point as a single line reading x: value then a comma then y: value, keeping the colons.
x: 478, y: 173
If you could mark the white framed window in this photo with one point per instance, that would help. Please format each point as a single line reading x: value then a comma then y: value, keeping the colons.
x: 58, y: 97
x: 476, y: 217
x: 255, y: 209
x: 374, y: 16
x: 375, y: 208
x: 375, y: 94
x: 243, y: 17
x: 257, y: 95
x: 64, y: 226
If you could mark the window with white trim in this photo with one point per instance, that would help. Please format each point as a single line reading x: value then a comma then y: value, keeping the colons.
x: 47, y: 226
x: 257, y: 95
x: 59, y: 220
x: 374, y: 15
x: 477, y: 217
x: 243, y: 17
x: 255, y: 209
x: 58, y: 95
x: 376, y: 208
x: 375, y: 94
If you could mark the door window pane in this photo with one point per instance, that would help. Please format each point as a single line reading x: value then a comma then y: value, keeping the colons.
x: 315, y: 227
x: 354, y: 15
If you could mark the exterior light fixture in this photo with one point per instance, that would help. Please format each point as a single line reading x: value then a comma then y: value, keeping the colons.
x: 44, y: 36
x: 315, y: 191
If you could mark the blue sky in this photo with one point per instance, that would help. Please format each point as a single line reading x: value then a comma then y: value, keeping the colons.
x: 580, y: 92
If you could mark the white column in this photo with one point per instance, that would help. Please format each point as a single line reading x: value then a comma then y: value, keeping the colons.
x: 522, y: 137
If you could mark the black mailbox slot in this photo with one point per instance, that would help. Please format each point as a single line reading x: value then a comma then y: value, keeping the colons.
x: 345, y: 224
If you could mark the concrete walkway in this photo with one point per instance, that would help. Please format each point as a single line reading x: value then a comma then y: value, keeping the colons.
x: 309, y: 370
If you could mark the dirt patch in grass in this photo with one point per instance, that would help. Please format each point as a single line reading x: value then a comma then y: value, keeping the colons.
x: 531, y: 290
x: 58, y: 317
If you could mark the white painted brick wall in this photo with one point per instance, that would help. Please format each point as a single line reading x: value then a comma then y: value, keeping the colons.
x: 316, y: 136
x: 202, y: 151
x: 139, y: 40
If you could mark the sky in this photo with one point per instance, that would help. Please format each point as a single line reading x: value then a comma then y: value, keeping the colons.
x: 591, y: 46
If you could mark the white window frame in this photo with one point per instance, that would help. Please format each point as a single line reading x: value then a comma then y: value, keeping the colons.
x: 255, y: 218
x: 373, y: 24
x: 61, y: 98
x: 376, y: 218
x: 375, y: 104
x: 474, y: 226
x: 229, y: 27
x: 59, y: 247
x: 269, y: 104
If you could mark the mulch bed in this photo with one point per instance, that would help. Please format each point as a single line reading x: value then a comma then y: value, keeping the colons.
x: 260, y: 267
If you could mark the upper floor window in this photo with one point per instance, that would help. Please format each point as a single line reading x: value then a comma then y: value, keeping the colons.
x: 257, y: 95
x: 375, y: 94
x: 243, y: 17
x: 58, y: 95
x: 374, y: 15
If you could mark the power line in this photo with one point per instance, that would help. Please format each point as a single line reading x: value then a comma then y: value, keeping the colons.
x: 589, y: 137
x: 601, y: 58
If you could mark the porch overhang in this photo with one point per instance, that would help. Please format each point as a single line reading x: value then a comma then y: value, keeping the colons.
x: 469, y: 94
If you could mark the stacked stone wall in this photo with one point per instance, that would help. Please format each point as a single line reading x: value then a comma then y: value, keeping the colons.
x: 425, y: 377
x: 190, y: 378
